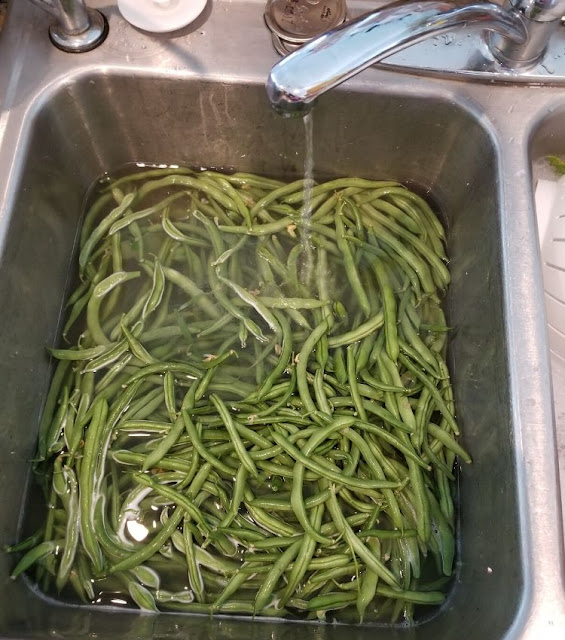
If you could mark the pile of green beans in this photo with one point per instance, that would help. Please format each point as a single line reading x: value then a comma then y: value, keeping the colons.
x: 228, y: 432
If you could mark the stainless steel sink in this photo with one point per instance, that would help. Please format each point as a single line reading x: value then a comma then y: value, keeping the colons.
x: 197, y: 98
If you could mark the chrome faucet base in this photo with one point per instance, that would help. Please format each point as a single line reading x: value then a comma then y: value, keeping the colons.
x: 475, y: 56
x: 541, y: 24
x: 89, y: 39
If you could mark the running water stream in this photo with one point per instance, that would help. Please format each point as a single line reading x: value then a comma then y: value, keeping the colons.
x: 307, y: 250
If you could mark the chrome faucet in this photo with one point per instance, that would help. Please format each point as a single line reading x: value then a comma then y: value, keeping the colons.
x: 77, y: 28
x: 521, y: 31
x: 541, y: 18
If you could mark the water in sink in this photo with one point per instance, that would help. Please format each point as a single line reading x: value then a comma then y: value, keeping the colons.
x: 183, y: 433
x: 308, y: 262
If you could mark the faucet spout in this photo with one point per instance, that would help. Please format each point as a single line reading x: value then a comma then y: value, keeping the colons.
x: 297, y: 80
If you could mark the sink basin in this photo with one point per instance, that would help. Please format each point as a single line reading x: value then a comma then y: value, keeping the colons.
x: 65, y: 120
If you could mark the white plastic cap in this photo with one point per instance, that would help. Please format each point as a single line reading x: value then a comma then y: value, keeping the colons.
x: 161, y: 16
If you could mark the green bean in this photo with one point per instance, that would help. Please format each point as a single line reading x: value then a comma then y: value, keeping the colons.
x: 72, y: 529
x: 349, y: 264
x: 428, y: 598
x: 227, y: 187
x: 265, y: 520
x: 193, y: 182
x: 293, y: 303
x: 177, y: 498
x: 145, y: 405
x: 153, y: 458
x: 414, y: 261
x: 263, y: 229
x: 76, y: 311
x: 417, y: 350
x: 174, y: 233
x: 136, y: 348
x: 201, y: 449
x: 320, y: 393
x: 246, y: 535
x: 445, y: 438
x: 157, y: 290
x: 253, y: 302
x: 77, y: 354
x: 355, y: 335
x: 299, y: 507
x: 331, y: 601
x: 276, y: 194
x: 279, y: 567
x: 93, y: 307
x: 234, y: 606
x: 147, y: 576
x: 389, y: 310
x: 353, y: 386
x: 149, y: 173
x: 285, y: 354
x: 25, y: 545
x: 37, y: 554
x: 102, y: 229
x: 385, y: 534
x: 304, y: 557
x: 402, y: 402
x: 189, y: 287
x: 109, y: 355
x: 339, y: 183
x: 130, y: 318
x: 229, y: 252
x: 372, y: 562
x: 93, y: 212
x: 227, y: 304
x: 145, y: 213
x: 210, y: 209
x: 149, y: 549
x: 88, y: 482
x: 401, y: 211
x: 161, y: 368
x: 301, y: 378
x: 240, y: 449
x: 194, y: 573
x: 237, y: 497
x: 142, y: 597
x: 329, y: 474
x: 52, y: 439
x: 169, y: 393
x: 381, y: 386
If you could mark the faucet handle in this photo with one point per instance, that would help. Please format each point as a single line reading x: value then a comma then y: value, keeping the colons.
x: 541, y: 18
x: 538, y: 10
